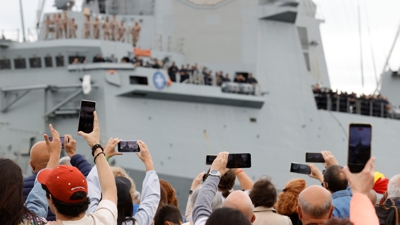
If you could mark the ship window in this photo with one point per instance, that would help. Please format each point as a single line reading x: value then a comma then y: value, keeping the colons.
x: 35, y: 62
x: 48, y: 61
x: 5, y: 64
x: 20, y: 63
x: 60, y: 61
x: 76, y: 59
x: 253, y: 120
x: 138, y: 80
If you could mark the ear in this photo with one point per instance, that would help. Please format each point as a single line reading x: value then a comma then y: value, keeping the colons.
x: 253, y: 218
x: 33, y: 167
x: 331, y: 211
x: 168, y: 223
x: 325, y: 185
x: 298, y: 209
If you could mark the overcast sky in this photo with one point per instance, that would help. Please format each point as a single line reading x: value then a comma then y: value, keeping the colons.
x: 380, y: 20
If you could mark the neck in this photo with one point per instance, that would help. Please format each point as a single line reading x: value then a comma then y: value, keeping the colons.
x: 313, y: 221
x: 65, y: 218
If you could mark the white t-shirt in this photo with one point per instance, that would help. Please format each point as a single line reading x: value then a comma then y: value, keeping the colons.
x: 105, y: 214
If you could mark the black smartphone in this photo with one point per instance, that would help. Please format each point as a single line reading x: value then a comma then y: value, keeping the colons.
x: 300, y: 168
x: 315, y: 157
x: 128, y: 146
x: 86, y: 117
x: 61, y: 139
x: 359, y: 150
x: 238, y: 160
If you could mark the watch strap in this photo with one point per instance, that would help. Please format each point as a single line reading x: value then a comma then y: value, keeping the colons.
x: 96, y: 146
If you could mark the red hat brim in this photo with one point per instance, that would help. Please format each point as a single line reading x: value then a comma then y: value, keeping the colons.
x: 44, y: 175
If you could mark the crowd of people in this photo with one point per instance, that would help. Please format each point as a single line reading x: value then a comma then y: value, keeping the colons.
x: 371, y: 105
x: 190, y: 73
x: 72, y: 191
x: 63, y: 27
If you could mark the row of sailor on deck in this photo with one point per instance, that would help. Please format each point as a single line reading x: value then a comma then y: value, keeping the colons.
x: 114, y: 30
x: 372, y: 105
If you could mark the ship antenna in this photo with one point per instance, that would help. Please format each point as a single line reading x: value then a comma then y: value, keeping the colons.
x: 22, y: 20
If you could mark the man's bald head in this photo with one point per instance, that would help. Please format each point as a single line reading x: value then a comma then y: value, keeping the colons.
x: 315, y: 205
x: 242, y: 202
x: 39, y: 156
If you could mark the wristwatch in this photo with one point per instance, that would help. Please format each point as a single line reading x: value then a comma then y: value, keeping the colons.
x: 215, y: 173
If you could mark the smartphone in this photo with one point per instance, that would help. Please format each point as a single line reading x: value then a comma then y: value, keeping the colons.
x: 314, y: 157
x: 300, y: 168
x: 61, y: 139
x: 86, y: 117
x: 239, y: 160
x: 128, y: 146
x: 359, y: 149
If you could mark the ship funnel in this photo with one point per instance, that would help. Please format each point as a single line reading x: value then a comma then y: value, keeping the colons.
x: 86, y: 85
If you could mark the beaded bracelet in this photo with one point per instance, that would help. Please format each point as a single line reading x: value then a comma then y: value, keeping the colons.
x: 94, y: 160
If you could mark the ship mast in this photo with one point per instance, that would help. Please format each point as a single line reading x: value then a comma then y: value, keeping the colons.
x: 22, y: 20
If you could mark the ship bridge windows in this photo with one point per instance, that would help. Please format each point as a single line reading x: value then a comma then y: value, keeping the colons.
x: 5, y: 64
x: 35, y: 62
x: 138, y: 80
x: 60, y: 61
x: 20, y: 63
x: 76, y: 59
x: 48, y: 61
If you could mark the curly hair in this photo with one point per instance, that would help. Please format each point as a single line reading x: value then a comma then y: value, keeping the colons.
x: 287, y: 199
x: 171, y: 193
x: 120, y: 172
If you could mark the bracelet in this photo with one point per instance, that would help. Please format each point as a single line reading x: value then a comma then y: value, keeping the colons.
x: 96, y: 146
x: 94, y: 160
x: 107, y: 157
x: 238, y: 172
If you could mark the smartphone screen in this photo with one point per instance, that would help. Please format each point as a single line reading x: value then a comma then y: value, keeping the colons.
x: 359, y: 150
x: 315, y: 157
x: 300, y: 168
x: 128, y: 146
x: 86, y: 117
x: 239, y: 160
x: 61, y: 139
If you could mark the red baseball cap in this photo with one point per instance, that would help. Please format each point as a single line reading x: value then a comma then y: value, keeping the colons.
x: 63, y: 181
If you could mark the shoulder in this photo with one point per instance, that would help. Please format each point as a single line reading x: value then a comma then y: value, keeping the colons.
x: 28, y: 219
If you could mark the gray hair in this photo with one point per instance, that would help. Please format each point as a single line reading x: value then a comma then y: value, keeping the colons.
x: 394, y: 187
x: 215, y: 204
x: 315, y: 211
x: 65, y: 161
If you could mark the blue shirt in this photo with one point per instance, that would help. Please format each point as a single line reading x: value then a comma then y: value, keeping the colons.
x: 341, y: 203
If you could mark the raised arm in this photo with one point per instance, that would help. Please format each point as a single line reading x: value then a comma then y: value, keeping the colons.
x: 362, y: 211
x: 36, y: 200
x: 202, y: 208
x: 245, y: 182
x: 189, y: 207
x: 77, y: 160
x: 106, y: 178
x: 150, y: 190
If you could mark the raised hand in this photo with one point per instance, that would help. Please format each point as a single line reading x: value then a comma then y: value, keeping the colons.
x: 361, y: 182
x: 220, y: 163
x: 329, y: 159
x: 93, y: 137
x: 69, y: 145
x: 145, y: 156
x: 110, y: 147
x: 316, y: 173
x: 197, y: 181
x: 53, y: 147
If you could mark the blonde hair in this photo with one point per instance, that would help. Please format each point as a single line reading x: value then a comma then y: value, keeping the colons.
x: 288, y: 198
x: 120, y: 172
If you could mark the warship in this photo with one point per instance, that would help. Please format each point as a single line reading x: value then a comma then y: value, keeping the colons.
x: 278, y: 41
